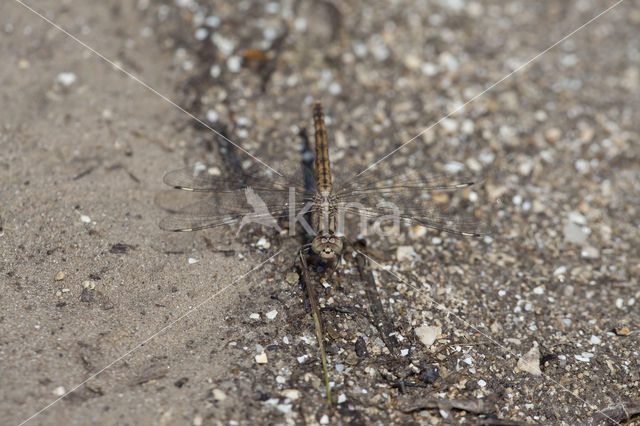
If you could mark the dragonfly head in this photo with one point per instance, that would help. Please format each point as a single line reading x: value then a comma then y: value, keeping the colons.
x: 327, y: 246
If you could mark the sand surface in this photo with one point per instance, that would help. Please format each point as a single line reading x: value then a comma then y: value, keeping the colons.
x: 107, y: 319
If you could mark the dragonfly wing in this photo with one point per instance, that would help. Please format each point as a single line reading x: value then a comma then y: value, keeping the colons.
x: 200, y: 179
x: 414, y: 198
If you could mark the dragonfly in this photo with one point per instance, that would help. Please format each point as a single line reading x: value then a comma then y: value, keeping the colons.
x: 238, y: 198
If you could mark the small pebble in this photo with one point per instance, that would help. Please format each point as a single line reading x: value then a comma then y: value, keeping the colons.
x: 271, y: 314
x: 219, y: 395
x: 59, y: 391
x: 482, y: 383
x: 234, y: 64
x: 66, y: 78
x: 254, y: 316
x: 530, y: 362
x: 574, y: 234
x: 584, y: 356
x: 192, y: 261
x: 197, y: 420
x: 85, y: 219
x: 623, y: 331
x: 284, y: 408
x: 201, y: 34
x: 89, y: 285
x: 292, y: 278
x: 292, y: 394
x: 263, y: 243
x: 59, y: 276
x: 595, y: 340
x: 553, y: 135
x: 560, y: 270
x: 212, y: 21
x: 449, y: 125
x: 590, y: 252
x: 405, y: 253
x: 577, y: 218
x: 428, y: 334
x: 212, y: 116
x: 429, y: 374
x: 261, y: 358
x: 324, y: 420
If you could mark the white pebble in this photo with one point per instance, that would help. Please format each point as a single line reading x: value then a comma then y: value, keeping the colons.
x: 66, y: 78
x: 454, y: 167
x: 192, y: 261
x: 271, y: 314
x: 590, y: 252
x: 300, y: 24
x: 517, y: 200
x: 215, y: 71
x: 324, y: 420
x: 291, y: 393
x: 482, y: 383
x: 234, y: 63
x: 595, y: 340
x: 212, y: 21
x: 254, y: 316
x: 284, y: 408
x: 201, y: 34
x: 449, y: 125
x: 430, y: 69
x: 270, y: 33
x: 561, y: 270
x: 59, y: 391
x: 261, y: 358
x: 428, y: 334
x: 405, y: 253
x: 219, y: 395
x: 530, y: 362
x: 225, y: 45
x: 263, y: 243
x: 584, y: 356
x: 85, y: 218
x: 577, y: 218
x: 212, y: 115
x: 538, y: 290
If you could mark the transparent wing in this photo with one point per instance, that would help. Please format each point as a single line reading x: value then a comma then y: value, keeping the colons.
x: 203, y: 200
x: 200, y: 179
x: 415, y: 198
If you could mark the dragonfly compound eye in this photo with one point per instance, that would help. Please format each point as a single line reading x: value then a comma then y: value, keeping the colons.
x: 327, y: 247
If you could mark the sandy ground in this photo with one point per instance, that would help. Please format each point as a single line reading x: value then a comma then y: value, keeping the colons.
x: 106, y: 319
